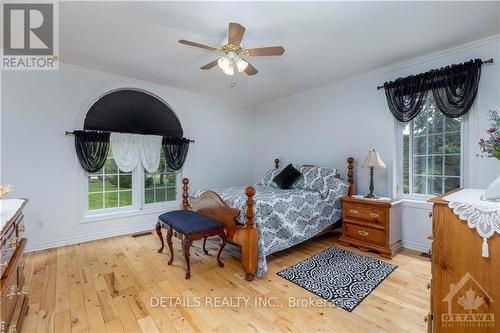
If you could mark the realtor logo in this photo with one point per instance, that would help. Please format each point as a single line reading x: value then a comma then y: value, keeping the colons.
x: 469, y: 305
x: 29, y: 36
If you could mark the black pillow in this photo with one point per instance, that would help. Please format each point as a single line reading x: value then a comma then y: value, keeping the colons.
x: 287, y: 177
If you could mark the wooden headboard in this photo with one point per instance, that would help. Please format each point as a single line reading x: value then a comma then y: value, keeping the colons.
x: 350, y: 172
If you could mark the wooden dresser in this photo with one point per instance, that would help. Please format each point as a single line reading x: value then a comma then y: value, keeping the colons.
x: 372, y: 225
x: 465, y: 287
x: 14, y: 295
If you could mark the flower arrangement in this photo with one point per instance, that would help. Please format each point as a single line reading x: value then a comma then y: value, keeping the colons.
x: 5, y: 189
x: 490, y: 146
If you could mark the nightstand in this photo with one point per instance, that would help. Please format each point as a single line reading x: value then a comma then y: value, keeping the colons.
x: 372, y: 224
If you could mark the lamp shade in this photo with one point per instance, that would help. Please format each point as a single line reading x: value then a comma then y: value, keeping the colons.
x: 373, y: 159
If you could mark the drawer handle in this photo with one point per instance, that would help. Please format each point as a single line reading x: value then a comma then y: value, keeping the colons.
x: 430, y: 214
x: 353, y: 211
x: 12, y: 243
x: 428, y: 286
x: 426, y: 319
x: 12, y: 291
x: 374, y: 216
x: 363, y: 233
x: 22, y: 292
x: 15, y: 291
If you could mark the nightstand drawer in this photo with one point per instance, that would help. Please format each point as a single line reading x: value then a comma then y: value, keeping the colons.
x: 366, y: 234
x: 367, y: 213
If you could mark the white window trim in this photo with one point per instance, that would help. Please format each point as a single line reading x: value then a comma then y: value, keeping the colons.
x: 138, y: 206
x: 468, y: 164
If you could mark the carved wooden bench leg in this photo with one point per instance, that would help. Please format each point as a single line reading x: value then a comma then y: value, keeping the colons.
x: 170, y: 233
x: 158, y: 232
x: 204, y: 248
x: 186, y: 245
x: 223, y: 239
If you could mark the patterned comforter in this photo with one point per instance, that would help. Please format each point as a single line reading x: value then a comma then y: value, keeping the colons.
x: 285, y: 217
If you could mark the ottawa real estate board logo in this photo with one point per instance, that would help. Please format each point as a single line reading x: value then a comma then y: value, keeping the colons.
x: 30, y: 36
x: 468, y: 305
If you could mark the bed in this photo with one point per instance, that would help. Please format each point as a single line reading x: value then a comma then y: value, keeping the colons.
x: 264, y: 219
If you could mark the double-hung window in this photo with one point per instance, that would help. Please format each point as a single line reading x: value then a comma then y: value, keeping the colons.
x: 432, y: 152
x: 160, y: 186
x: 111, y: 189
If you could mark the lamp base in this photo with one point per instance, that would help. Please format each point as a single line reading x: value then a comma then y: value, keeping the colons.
x: 371, y: 196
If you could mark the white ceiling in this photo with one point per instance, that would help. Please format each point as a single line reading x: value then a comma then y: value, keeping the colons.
x: 324, y: 41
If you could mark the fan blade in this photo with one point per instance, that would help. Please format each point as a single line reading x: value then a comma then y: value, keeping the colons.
x: 236, y: 32
x: 250, y: 70
x: 264, y: 51
x: 210, y: 64
x: 186, y: 42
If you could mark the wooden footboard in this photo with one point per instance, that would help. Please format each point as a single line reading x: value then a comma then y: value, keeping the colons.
x: 211, y: 204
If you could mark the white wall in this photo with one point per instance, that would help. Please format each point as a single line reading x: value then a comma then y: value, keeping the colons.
x: 40, y: 161
x: 326, y: 125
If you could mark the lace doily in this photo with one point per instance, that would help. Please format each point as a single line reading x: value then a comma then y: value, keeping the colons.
x: 484, y: 216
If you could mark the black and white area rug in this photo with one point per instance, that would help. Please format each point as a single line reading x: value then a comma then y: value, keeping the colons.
x: 339, y: 276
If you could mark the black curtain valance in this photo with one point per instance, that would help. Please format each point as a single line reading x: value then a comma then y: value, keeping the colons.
x: 176, y: 150
x: 454, y: 89
x: 92, y: 149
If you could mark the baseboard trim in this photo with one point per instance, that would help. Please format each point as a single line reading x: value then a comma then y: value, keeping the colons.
x: 86, y: 238
x: 416, y: 246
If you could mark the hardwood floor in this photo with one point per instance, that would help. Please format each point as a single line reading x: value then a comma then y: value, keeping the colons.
x: 108, y: 285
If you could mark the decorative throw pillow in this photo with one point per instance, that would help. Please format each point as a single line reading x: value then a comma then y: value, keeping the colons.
x: 267, y: 180
x: 300, y: 182
x: 319, y: 179
x: 287, y: 177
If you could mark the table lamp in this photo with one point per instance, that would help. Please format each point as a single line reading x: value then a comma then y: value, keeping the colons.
x: 372, y: 161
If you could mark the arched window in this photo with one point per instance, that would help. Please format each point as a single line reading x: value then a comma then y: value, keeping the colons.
x: 131, y: 111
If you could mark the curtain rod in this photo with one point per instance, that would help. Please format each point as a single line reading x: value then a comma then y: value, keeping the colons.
x: 73, y: 133
x: 489, y: 61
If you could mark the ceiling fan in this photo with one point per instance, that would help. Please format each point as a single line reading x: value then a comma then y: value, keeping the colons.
x: 232, y: 56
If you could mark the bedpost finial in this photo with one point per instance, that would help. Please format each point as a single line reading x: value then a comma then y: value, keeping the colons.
x: 250, y: 191
x: 276, y: 163
x: 185, y: 181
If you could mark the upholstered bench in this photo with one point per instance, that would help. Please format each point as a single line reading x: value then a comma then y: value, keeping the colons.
x: 189, y: 226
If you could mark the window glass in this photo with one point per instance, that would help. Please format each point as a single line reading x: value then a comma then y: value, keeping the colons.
x: 431, y: 152
x: 110, y: 187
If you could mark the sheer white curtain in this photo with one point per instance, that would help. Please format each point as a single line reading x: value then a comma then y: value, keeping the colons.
x: 128, y: 149
x: 125, y: 149
x: 150, y: 149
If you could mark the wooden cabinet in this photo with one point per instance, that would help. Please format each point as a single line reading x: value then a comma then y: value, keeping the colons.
x: 14, y: 295
x: 465, y: 287
x: 372, y: 225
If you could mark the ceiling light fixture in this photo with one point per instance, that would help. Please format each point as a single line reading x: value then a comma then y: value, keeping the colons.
x: 223, y: 63
x: 241, y: 64
x: 229, y: 70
